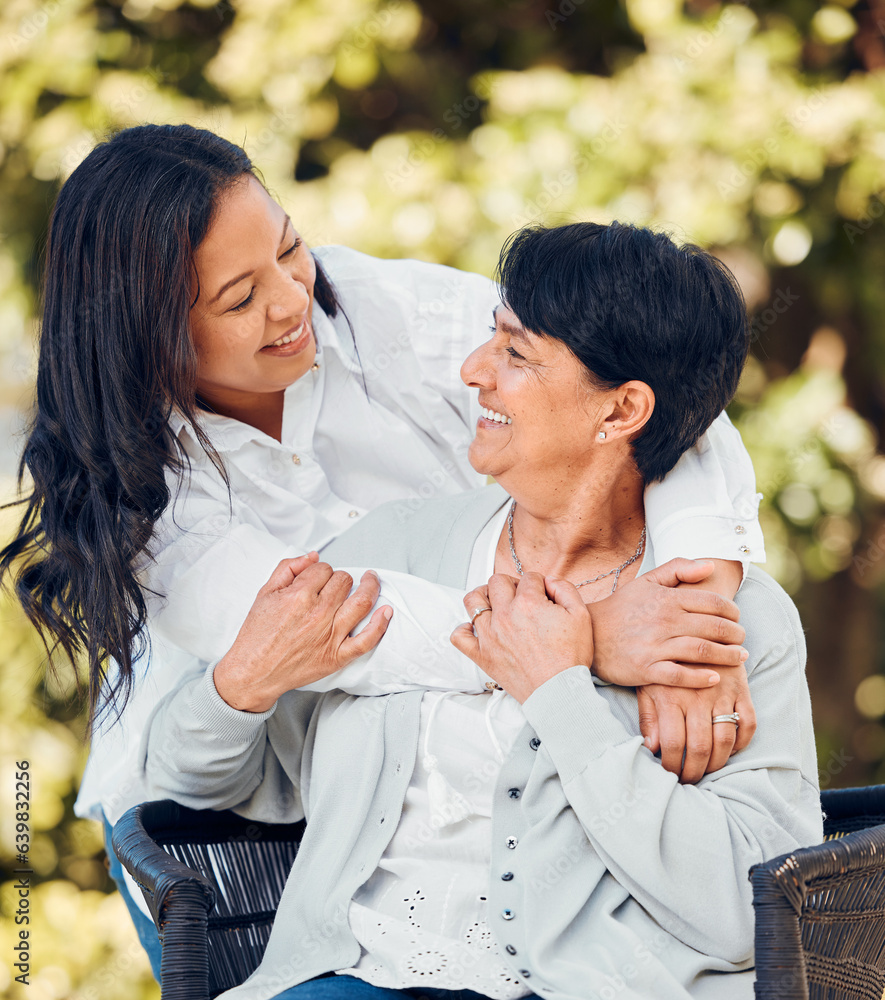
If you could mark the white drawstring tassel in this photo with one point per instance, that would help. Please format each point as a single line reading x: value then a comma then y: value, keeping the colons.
x: 447, y: 805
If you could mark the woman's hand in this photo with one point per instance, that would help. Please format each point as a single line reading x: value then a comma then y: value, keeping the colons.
x: 676, y: 720
x: 537, y: 628
x: 650, y: 628
x: 297, y: 631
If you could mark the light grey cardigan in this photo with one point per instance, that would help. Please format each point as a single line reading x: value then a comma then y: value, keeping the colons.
x: 624, y: 883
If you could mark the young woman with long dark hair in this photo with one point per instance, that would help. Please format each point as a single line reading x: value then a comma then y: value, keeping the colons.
x: 213, y: 398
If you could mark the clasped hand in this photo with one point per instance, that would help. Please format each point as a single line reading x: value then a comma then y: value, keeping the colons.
x: 299, y: 630
x: 679, y: 646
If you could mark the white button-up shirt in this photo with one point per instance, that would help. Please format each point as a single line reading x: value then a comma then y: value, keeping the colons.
x: 383, y: 416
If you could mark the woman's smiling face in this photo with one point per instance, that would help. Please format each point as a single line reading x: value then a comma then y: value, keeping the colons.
x: 251, y: 323
x: 540, y: 389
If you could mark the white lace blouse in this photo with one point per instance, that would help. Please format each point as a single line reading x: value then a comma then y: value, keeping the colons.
x: 420, y: 918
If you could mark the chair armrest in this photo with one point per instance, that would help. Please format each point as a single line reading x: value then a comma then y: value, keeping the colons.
x: 179, y: 899
x: 155, y: 871
x: 834, y: 892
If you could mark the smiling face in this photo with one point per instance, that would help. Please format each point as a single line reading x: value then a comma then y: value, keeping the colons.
x: 251, y: 323
x: 540, y: 414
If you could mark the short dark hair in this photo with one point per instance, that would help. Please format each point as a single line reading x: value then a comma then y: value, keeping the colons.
x: 630, y: 303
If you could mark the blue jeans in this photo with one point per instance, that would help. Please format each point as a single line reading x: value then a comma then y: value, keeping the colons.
x: 144, y: 926
x: 332, y: 987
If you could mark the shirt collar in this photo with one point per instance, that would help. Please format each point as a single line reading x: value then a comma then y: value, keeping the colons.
x: 229, y: 435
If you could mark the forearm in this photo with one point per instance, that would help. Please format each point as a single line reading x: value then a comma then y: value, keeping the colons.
x: 205, y: 754
x: 416, y: 651
x: 208, y: 603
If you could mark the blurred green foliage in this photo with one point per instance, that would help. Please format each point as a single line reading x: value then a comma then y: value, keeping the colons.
x: 433, y: 129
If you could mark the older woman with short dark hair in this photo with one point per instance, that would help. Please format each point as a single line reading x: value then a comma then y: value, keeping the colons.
x: 524, y: 841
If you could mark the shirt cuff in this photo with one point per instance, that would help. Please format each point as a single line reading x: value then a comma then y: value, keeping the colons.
x: 217, y: 717
x: 711, y: 536
x: 573, y: 721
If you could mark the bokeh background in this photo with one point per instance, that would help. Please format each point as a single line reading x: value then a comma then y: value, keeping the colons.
x: 433, y: 129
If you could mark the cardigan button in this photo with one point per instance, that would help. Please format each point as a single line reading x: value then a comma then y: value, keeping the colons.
x: 534, y: 743
x: 511, y: 843
x: 514, y: 793
x: 507, y: 877
x: 510, y: 949
x: 508, y: 914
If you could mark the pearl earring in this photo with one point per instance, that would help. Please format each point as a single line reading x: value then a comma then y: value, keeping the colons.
x: 602, y: 435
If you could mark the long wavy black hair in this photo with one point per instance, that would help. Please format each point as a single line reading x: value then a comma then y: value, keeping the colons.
x: 115, y: 358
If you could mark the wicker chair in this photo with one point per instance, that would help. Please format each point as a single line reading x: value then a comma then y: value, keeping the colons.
x: 212, y: 881
x: 820, y: 911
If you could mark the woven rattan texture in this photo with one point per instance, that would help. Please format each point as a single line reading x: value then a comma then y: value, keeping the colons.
x: 213, y: 881
x: 820, y: 911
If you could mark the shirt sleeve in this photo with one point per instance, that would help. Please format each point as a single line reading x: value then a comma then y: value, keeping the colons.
x: 415, y: 319
x: 416, y: 651
x: 707, y: 507
x: 656, y: 835
x: 211, y: 569
x: 206, y: 755
x: 209, y: 557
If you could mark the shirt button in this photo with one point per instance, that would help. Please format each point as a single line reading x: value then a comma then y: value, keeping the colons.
x: 525, y: 973
x: 507, y: 877
x: 508, y: 914
x: 509, y: 949
x: 512, y: 842
x: 315, y: 367
x: 739, y: 529
x: 744, y: 548
x: 492, y: 686
x: 534, y: 743
x: 353, y: 513
x: 513, y: 793
x: 296, y: 460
